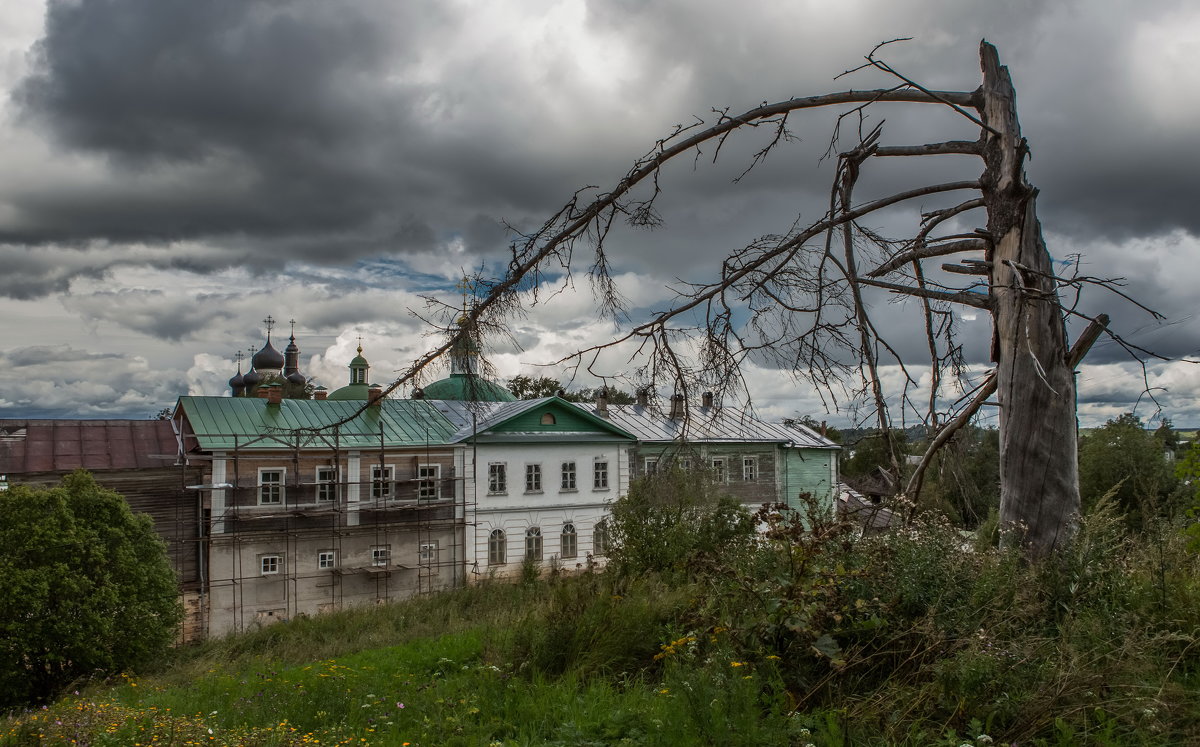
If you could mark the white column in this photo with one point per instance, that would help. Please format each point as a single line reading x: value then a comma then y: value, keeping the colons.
x: 217, y: 497
x: 353, y: 477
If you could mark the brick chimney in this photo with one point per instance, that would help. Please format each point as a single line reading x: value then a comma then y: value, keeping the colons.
x: 678, y: 406
x: 602, y: 402
x: 320, y: 393
x: 262, y: 391
x: 274, y: 394
x: 374, y: 394
x: 643, y: 398
x: 706, y: 399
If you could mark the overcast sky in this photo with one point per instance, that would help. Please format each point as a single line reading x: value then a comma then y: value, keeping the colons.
x: 174, y: 171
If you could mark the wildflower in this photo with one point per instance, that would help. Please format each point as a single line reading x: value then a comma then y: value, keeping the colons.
x: 400, y: 705
x: 983, y: 739
x: 773, y: 657
x: 737, y: 663
x: 664, y: 691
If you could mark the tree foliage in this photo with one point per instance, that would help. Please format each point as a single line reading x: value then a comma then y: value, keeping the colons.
x: 85, y: 588
x: 670, y: 519
x: 530, y: 387
x: 1122, y: 456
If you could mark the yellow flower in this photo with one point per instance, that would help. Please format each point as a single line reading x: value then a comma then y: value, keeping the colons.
x: 737, y: 664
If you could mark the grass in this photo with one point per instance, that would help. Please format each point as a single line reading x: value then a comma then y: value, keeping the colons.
x: 818, y: 638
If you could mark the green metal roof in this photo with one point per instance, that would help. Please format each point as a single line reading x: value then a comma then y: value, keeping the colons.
x: 223, y: 422
x: 468, y: 388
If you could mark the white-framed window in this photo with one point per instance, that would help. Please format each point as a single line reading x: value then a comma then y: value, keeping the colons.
x: 570, y: 545
x: 600, y: 538
x: 650, y: 466
x: 383, y: 482
x: 428, y: 552
x: 327, y: 559
x: 270, y: 565
x: 270, y: 486
x: 750, y: 469
x: 600, y: 475
x: 429, y: 482
x: 533, y: 543
x: 497, y: 547
x: 718, y: 469
x: 685, y: 464
x: 568, y: 476
x: 497, y: 478
x: 326, y: 484
x: 381, y: 555
x: 533, y: 478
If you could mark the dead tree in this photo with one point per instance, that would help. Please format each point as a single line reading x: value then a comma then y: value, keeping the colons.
x: 803, y: 298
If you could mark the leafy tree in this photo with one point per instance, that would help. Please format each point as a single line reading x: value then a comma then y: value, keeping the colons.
x: 670, y: 519
x: 1124, y: 457
x: 965, y: 476
x: 528, y: 387
x: 85, y: 588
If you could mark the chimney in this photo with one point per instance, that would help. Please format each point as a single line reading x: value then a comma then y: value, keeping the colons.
x: 374, y: 394
x: 602, y: 402
x: 678, y: 405
x: 274, y: 394
x: 643, y: 398
x: 320, y: 393
x: 823, y: 429
x: 262, y: 391
x: 706, y: 399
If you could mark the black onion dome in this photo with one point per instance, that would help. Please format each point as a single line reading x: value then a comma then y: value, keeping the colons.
x: 238, y: 381
x: 295, y: 377
x: 292, y: 346
x: 267, y: 359
x: 252, y: 378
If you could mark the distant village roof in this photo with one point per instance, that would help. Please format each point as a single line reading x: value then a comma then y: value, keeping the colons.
x: 65, y: 445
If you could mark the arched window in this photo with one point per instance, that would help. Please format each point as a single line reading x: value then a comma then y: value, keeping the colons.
x: 548, y: 419
x: 570, y: 548
x: 600, y: 538
x: 497, y: 547
x: 533, y: 544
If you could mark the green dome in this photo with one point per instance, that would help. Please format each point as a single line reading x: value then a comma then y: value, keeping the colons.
x: 350, y: 391
x: 465, y: 388
x: 358, y: 360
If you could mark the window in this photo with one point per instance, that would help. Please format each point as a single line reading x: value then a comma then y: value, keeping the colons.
x: 568, y: 475
x: 749, y: 469
x: 498, y: 478
x: 569, y: 548
x: 327, y: 559
x: 326, y: 483
x: 600, y: 538
x: 428, y: 552
x: 383, y: 479
x: 600, y: 476
x: 548, y: 419
x: 533, y: 478
x: 497, y: 547
x: 685, y: 464
x: 650, y: 466
x: 381, y: 555
x: 533, y: 544
x: 718, y: 469
x: 269, y: 564
x: 270, y: 487
x: 429, y: 486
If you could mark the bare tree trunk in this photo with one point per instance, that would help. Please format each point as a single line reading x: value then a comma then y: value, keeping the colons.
x: 1039, y: 474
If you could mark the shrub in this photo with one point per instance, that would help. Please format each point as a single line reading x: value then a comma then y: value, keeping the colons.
x: 85, y: 588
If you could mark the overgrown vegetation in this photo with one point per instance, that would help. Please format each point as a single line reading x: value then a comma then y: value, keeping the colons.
x: 698, y: 633
x: 85, y: 588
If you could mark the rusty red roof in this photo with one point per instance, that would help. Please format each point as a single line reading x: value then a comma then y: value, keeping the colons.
x: 65, y: 445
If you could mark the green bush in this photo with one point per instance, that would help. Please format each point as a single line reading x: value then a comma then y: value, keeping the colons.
x: 85, y: 589
x: 670, y: 520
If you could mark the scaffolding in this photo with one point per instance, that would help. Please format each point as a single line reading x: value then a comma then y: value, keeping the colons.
x: 398, y: 521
